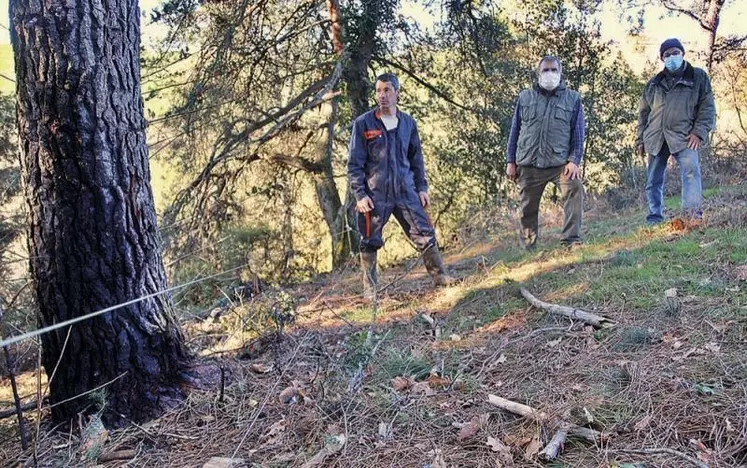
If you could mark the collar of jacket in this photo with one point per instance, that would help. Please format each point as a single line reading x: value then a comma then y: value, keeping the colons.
x: 688, y: 75
x: 543, y: 91
x: 377, y: 112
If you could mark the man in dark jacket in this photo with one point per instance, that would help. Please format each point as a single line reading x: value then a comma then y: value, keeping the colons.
x: 675, y: 115
x: 545, y: 145
x: 386, y: 174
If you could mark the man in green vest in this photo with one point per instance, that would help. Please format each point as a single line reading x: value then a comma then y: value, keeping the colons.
x: 545, y: 145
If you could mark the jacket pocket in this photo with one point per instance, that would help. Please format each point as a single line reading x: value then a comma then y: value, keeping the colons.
x: 377, y: 148
x: 528, y: 112
x: 563, y: 113
x: 559, y: 157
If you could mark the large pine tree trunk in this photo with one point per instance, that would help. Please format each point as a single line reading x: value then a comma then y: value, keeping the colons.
x: 92, y: 229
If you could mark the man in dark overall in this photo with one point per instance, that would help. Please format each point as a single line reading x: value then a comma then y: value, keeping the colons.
x: 545, y: 145
x: 386, y: 174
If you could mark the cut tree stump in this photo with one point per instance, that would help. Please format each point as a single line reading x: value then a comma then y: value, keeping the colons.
x: 596, y: 321
x: 561, y: 427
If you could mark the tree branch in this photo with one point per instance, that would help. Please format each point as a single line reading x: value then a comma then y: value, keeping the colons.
x: 553, y: 448
x: 11, y: 412
x: 662, y: 451
x: 315, y: 94
x: 541, y: 417
x: 594, y: 320
x: 298, y: 162
x: 687, y: 13
x: 423, y: 83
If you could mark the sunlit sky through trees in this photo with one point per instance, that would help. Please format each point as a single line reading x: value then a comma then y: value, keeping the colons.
x: 658, y: 25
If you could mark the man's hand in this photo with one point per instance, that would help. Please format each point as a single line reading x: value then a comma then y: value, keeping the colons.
x: 364, y: 205
x: 571, y: 171
x: 693, y: 142
x: 511, y: 171
x: 425, y: 200
x: 640, y: 151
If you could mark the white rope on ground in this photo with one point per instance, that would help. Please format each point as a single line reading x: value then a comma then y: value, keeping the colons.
x: 41, y: 331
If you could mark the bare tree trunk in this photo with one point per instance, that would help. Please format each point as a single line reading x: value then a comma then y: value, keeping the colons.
x: 708, y: 17
x: 712, y: 19
x: 92, y: 236
x: 355, y: 75
x: 289, y: 251
x: 333, y: 8
x: 327, y: 194
x: 326, y: 188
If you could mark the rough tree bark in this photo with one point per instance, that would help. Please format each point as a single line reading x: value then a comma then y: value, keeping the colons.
x: 92, y: 227
x: 361, y: 50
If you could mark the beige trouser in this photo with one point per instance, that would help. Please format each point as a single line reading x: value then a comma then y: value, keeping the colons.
x: 532, y: 182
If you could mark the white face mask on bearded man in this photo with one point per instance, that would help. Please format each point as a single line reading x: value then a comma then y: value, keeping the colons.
x: 549, y: 80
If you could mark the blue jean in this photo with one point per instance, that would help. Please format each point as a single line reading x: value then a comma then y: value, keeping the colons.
x: 692, y: 193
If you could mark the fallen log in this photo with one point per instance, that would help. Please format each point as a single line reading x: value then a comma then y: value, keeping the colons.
x: 596, y: 321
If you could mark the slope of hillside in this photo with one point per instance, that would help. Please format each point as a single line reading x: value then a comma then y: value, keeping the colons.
x: 665, y: 385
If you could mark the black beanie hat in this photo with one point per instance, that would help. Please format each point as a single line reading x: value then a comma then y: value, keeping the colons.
x: 668, y: 44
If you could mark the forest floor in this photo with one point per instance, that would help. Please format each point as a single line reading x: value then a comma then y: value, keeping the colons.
x: 665, y: 385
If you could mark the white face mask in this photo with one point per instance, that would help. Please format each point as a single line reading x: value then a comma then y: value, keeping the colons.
x: 549, y: 80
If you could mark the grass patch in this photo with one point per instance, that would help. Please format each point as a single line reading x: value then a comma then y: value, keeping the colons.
x: 633, y: 339
x: 359, y: 315
x: 624, y: 258
x: 612, y: 414
x: 397, y: 362
x: 498, y: 311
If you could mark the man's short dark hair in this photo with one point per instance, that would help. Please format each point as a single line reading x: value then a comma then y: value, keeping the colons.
x: 389, y: 78
x: 550, y: 58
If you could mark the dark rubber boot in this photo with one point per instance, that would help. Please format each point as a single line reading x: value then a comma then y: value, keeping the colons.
x: 370, y: 277
x: 435, y: 266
